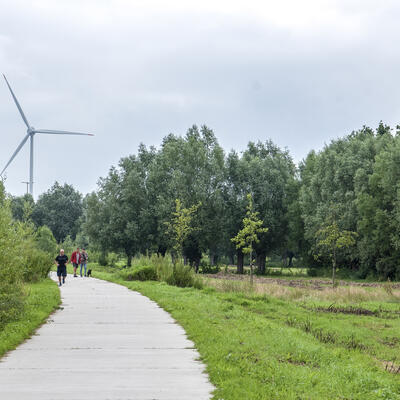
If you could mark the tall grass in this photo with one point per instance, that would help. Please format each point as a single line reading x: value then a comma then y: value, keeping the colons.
x: 344, y: 294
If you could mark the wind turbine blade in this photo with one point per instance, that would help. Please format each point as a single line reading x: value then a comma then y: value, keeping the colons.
x: 16, y: 152
x: 17, y: 104
x: 52, y: 132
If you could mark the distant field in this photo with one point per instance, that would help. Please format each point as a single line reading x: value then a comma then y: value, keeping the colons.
x: 275, y: 341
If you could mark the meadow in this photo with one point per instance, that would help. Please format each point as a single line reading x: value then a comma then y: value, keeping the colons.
x: 275, y: 341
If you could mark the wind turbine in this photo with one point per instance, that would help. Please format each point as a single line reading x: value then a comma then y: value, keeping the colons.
x: 31, y: 131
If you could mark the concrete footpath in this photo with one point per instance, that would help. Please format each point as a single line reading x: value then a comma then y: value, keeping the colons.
x: 106, y: 342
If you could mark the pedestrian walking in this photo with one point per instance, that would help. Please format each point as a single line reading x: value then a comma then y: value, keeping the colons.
x: 75, y: 260
x: 61, y: 262
x: 84, y: 259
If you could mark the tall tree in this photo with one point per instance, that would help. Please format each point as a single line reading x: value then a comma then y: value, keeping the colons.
x: 19, y: 204
x: 60, y: 208
x: 116, y: 215
x: 268, y: 173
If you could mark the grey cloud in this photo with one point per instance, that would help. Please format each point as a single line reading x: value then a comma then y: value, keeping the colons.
x: 135, y: 76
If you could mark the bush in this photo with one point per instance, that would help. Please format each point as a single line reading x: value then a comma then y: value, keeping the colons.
x: 319, y: 272
x: 143, y: 273
x: 184, y: 276
x: 11, y: 240
x: 112, y: 259
x: 102, y: 259
x: 45, y: 240
x: 162, y: 269
x: 209, y: 269
x: 37, y: 264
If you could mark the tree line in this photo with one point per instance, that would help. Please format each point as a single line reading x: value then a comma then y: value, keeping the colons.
x: 353, y: 181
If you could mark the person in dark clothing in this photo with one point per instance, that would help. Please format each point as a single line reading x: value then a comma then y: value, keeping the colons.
x: 83, y: 260
x: 61, y: 261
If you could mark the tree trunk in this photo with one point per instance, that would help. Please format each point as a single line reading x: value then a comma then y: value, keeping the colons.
x: 213, y: 259
x: 185, y: 260
x: 261, y: 262
x: 334, y: 267
x: 240, y: 261
x: 251, y: 267
x: 197, y: 265
x: 232, y: 258
x: 284, y: 259
x: 161, y: 251
x: 129, y: 259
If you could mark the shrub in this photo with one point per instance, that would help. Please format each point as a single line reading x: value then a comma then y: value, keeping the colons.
x: 36, y: 265
x: 320, y: 272
x: 45, y: 240
x: 162, y: 269
x: 184, y: 276
x: 143, y: 273
x: 102, y: 259
x: 112, y: 259
x: 209, y: 269
x: 11, y: 239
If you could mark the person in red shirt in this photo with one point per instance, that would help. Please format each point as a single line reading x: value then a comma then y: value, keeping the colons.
x: 75, y: 260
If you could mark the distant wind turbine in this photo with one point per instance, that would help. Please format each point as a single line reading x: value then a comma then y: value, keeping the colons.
x: 31, y: 131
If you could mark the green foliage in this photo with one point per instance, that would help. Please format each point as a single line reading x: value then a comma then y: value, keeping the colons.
x: 20, y: 205
x: 358, y: 173
x: 37, y: 263
x: 331, y: 239
x: 247, y: 237
x: 142, y: 273
x: 82, y: 240
x: 161, y: 269
x: 179, y: 228
x: 68, y: 245
x: 183, y: 276
x: 60, y: 208
x: 11, y: 258
x: 210, y: 269
x: 45, y: 240
x: 112, y: 259
x: 24, y: 257
x: 102, y: 259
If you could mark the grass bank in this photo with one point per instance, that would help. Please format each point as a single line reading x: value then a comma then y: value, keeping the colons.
x: 42, y: 299
x: 261, y: 346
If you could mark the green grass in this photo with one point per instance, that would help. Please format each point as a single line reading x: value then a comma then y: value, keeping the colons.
x: 42, y: 299
x: 257, y: 346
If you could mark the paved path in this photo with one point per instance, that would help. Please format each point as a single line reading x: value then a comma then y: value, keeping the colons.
x: 106, y: 343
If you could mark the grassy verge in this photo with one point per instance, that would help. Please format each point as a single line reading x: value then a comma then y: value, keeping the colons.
x: 42, y: 298
x: 257, y: 346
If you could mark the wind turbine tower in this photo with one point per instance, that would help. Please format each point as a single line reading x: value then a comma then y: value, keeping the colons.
x: 31, y: 132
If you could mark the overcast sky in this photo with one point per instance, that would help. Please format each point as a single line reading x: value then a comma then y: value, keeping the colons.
x: 299, y: 73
